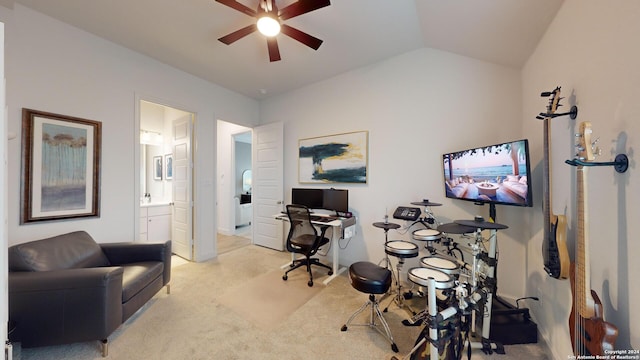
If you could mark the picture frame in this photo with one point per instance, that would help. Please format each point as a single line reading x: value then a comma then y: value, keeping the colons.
x: 157, y: 167
x: 168, y: 166
x: 339, y: 158
x: 60, y: 167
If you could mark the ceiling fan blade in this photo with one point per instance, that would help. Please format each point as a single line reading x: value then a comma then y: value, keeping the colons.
x: 302, y: 7
x: 238, y: 34
x: 274, y: 51
x: 310, y: 41
x: 240, y: 7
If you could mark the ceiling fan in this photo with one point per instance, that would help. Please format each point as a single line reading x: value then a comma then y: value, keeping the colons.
x: 269, y: 22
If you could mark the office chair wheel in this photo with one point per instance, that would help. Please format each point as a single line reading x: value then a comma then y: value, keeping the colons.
x: 330, y: 272
x: 394, y: 347
x: 310, y: 283
x: 285, y: 277
x: 344, y: 327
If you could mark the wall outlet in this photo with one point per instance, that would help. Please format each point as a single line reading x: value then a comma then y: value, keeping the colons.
x: 349, y: 232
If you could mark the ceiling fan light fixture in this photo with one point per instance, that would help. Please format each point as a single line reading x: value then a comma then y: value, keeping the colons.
x: 268, y: 20
x: 268, y: 26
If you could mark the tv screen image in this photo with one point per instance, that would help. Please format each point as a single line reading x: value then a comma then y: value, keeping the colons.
x: 498, y: 174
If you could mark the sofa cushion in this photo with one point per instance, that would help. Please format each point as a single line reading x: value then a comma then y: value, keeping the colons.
x: 512, y: 178
x: 68, y: 251
x: 138, y: 275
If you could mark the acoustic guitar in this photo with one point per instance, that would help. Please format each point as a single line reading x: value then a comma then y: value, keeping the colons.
x: 554, y: 245
x: 590, y: 334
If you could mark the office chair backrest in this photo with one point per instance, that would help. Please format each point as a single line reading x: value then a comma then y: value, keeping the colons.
x: 302, y: 228
x: 300, y: 219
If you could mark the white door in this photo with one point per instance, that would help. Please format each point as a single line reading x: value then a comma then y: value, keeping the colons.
x: 4, y: 294
x: 267, y: 182
x: 182, y: 230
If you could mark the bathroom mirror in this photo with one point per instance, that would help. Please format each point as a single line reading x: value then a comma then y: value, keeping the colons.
x: 246, y: 181
x: 147, y: 183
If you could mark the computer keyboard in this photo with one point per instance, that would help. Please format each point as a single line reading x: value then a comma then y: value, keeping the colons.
x: 322, y: 218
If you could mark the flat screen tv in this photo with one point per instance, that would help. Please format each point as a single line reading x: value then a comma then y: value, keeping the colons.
x: 494, y: 174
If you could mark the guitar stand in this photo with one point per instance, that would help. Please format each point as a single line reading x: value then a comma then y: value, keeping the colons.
x: 573, y: 113
x: 620, y: 164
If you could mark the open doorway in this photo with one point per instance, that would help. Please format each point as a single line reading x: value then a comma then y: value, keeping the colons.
x: 165, y: 174
x: 234, y: 172
x: 242, y: 183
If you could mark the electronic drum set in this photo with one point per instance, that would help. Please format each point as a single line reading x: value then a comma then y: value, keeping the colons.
x: 456, y: 291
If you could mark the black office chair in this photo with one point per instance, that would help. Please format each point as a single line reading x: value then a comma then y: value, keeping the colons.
x: 304, y: 239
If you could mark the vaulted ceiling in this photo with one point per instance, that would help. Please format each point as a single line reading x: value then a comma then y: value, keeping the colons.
x: 356, y: 33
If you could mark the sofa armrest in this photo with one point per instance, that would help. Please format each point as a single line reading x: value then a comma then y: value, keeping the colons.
x: 128, y: 252
x: 53, y: 307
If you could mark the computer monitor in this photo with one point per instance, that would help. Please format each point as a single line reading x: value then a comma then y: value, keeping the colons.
x: 336, y: 200
x: 311, y: 198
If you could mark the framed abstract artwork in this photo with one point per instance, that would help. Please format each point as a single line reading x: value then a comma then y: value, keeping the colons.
x: 340, y: 158
x: 60, y: 175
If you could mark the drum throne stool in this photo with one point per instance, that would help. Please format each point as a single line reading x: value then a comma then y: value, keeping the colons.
x: 371, y: 279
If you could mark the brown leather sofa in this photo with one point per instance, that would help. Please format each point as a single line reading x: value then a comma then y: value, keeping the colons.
x: 68, y: 288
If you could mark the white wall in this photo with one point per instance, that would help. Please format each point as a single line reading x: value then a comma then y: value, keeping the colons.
x: 416, y: 107
x: 590, y: 50
x: 57, y: 68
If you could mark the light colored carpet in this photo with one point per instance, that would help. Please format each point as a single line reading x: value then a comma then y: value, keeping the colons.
x: 192, y: 322
x: 267, y: 300
x: 177, y: 261
x: 227, y: 243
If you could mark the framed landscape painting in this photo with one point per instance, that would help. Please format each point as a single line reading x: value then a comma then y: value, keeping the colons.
x: 60, y: 176
x: 340, y: 158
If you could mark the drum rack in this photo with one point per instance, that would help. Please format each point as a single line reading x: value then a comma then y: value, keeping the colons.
x: 468, y: 301
x: 465, y: 300
x: 476, y: 295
